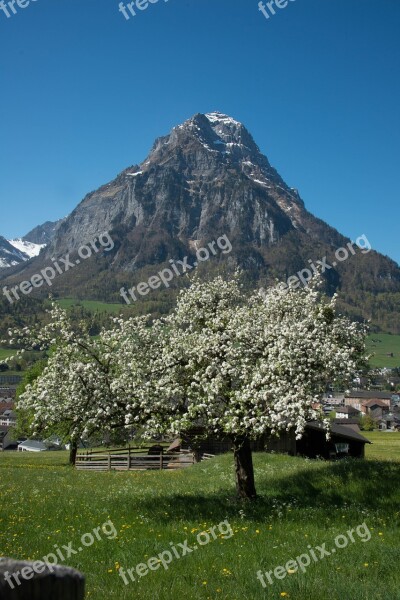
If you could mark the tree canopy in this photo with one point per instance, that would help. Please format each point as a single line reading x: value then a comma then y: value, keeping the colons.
x: 234, y: 364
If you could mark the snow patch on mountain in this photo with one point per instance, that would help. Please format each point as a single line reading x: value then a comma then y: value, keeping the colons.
x: 28, y: 248
x: 4, y: 263
x: 217, y: 117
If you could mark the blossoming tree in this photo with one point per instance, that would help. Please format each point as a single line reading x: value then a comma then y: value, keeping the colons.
x: 243, y: 367
x: 84, y: 388
x: 236, y: 365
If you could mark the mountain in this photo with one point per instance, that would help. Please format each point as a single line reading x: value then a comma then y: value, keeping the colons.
x: 10, y: 255
x: 28, y: 246
x: 43, y: 234
x: 207, y: 178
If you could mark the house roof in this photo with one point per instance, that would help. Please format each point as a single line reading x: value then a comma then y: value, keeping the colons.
x: 340, y: 421
x: 390, y: 417
x: 346, y: 410
x: 3, y: 431
x: 340, y: 431
x: 378, y: 402
x: 366, y: 394
x: 33, y: 444
x: 10, y: 414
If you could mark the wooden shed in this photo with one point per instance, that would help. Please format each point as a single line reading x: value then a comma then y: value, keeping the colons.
x: 344, y: 441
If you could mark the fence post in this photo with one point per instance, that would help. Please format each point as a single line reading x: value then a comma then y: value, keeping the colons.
x: 37, y: 581
x: 109, y: 461
x: 129, y: 457
x: 161, y: 458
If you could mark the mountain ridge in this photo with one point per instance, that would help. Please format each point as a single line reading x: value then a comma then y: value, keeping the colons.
x: 207, y: 178
x: 28, y: 246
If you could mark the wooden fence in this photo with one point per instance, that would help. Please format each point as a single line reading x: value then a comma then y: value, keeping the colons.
x: 133, y: 459
x: 207, y: 456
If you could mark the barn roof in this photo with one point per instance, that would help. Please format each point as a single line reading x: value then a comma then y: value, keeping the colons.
x: 366, y: 394
x: 339, y: 431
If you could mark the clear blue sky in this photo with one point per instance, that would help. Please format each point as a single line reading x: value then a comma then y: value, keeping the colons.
x: 85, y: 92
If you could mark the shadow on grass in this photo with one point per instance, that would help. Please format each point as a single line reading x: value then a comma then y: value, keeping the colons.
x: 373, y: 485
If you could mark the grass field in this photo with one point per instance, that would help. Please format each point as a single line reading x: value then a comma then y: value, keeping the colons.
x: 385, y: 445
x: 93, y: 305
x: 302, y: 502
x: 382, y: 344
x: 5, y: 353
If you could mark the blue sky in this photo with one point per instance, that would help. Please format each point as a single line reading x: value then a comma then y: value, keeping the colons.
x: 85, y: 92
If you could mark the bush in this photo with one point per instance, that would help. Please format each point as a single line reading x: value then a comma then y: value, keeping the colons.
x: 367, y: 423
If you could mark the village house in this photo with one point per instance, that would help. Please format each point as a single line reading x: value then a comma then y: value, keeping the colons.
x: 32, y: 446
x: 389, y: 421
x: 375, y: 408
x: 7, y: 438
x: 6, y: 405
x: 333, y: 399
x: 7, y: 393
x: 356, y: 399
x: 8, y: 418
x: 347, y: 412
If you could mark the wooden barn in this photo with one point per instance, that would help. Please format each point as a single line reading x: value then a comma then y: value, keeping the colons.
x: 344, y: 441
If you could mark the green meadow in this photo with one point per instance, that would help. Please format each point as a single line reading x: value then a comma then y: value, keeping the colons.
x: 93, y: 305
x: 382, y: 345
x: 301, y: 503
x: 5, y: 353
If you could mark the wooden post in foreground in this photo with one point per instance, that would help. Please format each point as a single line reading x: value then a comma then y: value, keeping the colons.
x: 38, y: 581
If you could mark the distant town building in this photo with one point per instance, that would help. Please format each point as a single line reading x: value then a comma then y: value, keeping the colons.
x: 357, y: 399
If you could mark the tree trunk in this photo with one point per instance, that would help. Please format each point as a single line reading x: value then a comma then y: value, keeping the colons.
x: 244, y: 468
x: 73, y: 449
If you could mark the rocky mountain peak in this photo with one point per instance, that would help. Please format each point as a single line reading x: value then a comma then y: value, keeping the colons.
x: 205, y: 179
x: 213, y: 133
